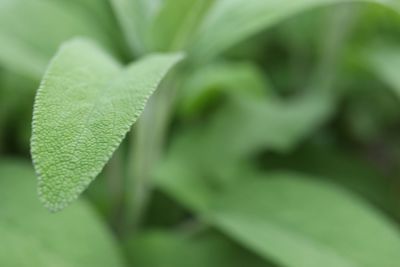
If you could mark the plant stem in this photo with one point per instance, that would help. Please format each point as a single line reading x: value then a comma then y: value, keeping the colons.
x: 146, y: 147
x: 115, y: 174
x: 339, y: 26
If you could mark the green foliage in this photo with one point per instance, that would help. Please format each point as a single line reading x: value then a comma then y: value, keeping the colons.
x: 30, y: 236
x: 275, y: 142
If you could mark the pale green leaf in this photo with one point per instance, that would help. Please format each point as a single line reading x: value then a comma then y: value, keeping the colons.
x: 32, y: 237
x: 300, y: 222
x: 232, y: 21
x: 85, y: 105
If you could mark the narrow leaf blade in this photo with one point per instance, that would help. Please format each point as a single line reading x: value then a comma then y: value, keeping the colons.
x: 232, y: 21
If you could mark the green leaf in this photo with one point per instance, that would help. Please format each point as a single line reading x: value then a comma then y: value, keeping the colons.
x: 31, y: 31
x: 291, y: 219
x: 297, y: 221
x: 31, y: 237
x: 245, y: 127
x: 231, y: 21
x: 238, y: 131
x: 86, y: 104
x: 344, y: 167
x: 165, y: 249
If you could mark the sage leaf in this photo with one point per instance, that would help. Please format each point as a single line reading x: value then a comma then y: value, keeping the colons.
x: 277, y: 215
x: 343, y: 167
x: 85, y: 105
x: 232, y: 21
x: 31, y: 237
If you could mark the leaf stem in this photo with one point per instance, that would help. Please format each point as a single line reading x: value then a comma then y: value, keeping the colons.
x: 339, y: 26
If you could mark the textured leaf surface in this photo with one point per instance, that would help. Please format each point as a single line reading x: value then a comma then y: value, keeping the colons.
x: 32, y: 237
x: 278, y: 216
x: 86, y: 104
x: 26, y: 50
x: 165, y: 249
x: 232, y: 21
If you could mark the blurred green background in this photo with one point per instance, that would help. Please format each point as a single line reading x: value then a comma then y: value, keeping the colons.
x: 280, y: 145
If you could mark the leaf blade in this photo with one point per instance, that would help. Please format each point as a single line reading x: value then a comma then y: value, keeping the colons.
x: 75, y: 237
x: 232, y: 21
x: 86, y: 104
x: 280, y: 211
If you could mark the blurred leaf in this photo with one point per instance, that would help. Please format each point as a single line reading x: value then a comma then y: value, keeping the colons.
x: 208, y: 156
x: 166, y: 249
x: 30, y: 32
x: 288, y: 218
x: 84, y: 107
x: 232, y: 21
x: 252, y: 125
x: 32, y: 237
x: 135, y: 17
x: 175, y: 23
x: 344, y: 167
x: 297, y: 221
x: 102, y: 14
x: 208, y: 83
x: 246, y: 126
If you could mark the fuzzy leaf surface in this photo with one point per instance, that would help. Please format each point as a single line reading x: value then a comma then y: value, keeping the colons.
x: 85, y: 105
